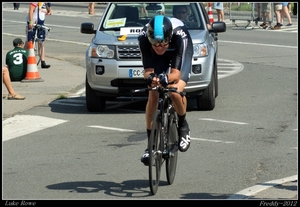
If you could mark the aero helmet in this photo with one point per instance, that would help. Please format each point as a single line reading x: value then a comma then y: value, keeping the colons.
x: 159, y: 30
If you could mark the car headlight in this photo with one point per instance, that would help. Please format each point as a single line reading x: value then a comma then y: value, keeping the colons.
x: 102, y: 51
x: 200, y: 50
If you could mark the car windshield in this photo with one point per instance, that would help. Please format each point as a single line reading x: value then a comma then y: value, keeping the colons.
x: 122, y: 15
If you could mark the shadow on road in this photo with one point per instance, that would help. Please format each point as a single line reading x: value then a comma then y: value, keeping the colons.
x: 127, y: 189
x: 131, y: 188
x: 77, y: 105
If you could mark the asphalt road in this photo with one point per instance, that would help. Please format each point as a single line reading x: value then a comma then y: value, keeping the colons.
x: 249, y: 138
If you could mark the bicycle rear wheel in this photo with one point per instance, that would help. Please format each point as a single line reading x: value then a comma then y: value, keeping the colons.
x: 172, y: 140
x: 155, y: 147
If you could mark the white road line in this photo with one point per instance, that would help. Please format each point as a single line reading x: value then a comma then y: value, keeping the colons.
x: 288, y: 28
x: 66, y: 13
x: 80, y: 91
x: 256, y: 44
x: 20, y: 125
x: 112, y: 128
x: 243, y: 194
x: 49, y: 39
x: 49, y: 25
x: 212, y: 140
x: 228, y: 71
x: 223, y: 67
x: 218, y: 120
x: 232, y: 64
x: 224, y: 71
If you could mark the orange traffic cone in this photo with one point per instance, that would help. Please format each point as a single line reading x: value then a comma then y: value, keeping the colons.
x: 32, y: 74
x: 210, y: 13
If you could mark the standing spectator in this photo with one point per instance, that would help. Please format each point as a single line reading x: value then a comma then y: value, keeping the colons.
x: 15, y: 69
x: 92, y: 8
x: 290, y: 8
x: 36, y: 15
x: 220, y: 11
x: 16, y: 6
x: 277, y: 10
x: 266, y: 15
x: 144, y: 11
x: 295, y: 9
x: 162, y: 10
x: 257, y: 8
x: 285, y: 12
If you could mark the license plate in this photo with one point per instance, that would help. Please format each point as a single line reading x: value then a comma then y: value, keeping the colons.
x: 136, y: 73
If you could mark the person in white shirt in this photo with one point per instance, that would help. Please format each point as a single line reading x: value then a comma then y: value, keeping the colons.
x: 36, y: 15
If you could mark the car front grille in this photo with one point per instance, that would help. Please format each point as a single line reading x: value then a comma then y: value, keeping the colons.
x: 129, y: 83
x: 129, y: 52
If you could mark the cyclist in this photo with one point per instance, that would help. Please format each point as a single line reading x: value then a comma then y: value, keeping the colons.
x: 36, y: 15
x: 166, y: 43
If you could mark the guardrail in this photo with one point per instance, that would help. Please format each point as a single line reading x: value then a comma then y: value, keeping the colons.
x: 251, y: 12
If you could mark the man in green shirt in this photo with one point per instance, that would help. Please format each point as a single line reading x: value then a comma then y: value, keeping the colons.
x: 16, y: 60
x: 15, y: 69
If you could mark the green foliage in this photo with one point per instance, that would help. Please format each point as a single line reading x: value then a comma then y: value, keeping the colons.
x: 242, y: 7
x: 61, y: 97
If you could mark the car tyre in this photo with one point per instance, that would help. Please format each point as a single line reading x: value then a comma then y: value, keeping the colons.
x: 207, y: 100
x: 216, y: 79
x: 94, y: 103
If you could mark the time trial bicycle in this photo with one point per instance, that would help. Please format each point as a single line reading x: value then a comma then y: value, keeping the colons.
x: 163, y: 141
x: 38, y: 43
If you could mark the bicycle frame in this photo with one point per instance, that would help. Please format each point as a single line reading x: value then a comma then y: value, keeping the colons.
x: 164, y: 106
x: 163, y: 101
x: 163, y: 141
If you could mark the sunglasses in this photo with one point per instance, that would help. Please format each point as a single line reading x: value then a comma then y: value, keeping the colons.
x: 159, y: 42
x: 161, y: 45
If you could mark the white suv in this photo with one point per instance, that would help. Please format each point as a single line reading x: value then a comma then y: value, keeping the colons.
x: 113, y: 59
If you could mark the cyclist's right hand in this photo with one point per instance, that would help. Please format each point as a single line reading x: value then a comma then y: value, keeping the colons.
x: 152, y: 80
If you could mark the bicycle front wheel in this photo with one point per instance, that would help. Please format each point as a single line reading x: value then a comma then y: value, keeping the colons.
x: 38, y: 48
x: 172, y: 140
x: 155, y: 147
